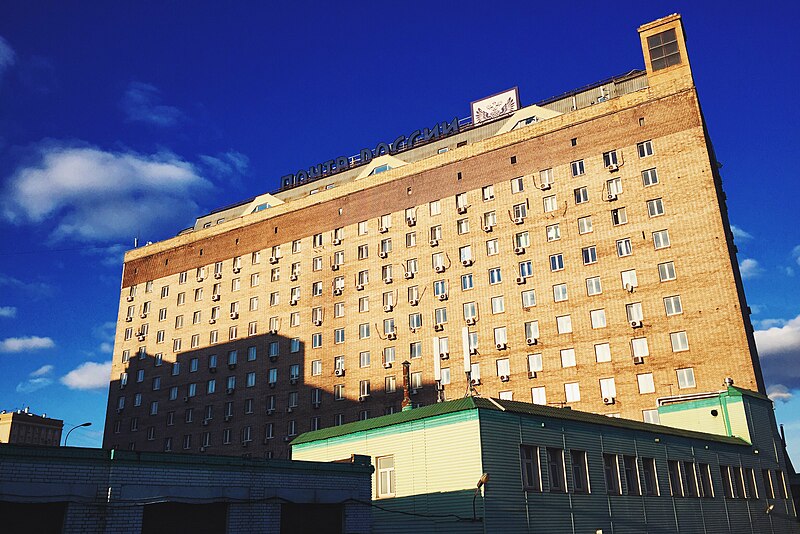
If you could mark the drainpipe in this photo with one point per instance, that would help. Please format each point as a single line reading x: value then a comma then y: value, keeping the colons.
x: 406, y: 404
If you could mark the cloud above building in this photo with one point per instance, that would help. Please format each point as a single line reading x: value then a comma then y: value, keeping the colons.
x: 142, y: 103
x: 7, y: 56
x: 749, y: 268
x: 94, y: 195
x: 38, y: 379
x: 25, y: 344
x: 779, y: 351
x: 88, y: 375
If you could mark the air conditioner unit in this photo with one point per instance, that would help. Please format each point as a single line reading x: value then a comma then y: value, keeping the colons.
x: 433, y: 242
x: 205, y: 422
x: 287, y: 439
x: 293, y: 277
x: 519, y: 220
x: 270, y: 411
x: 391, y: 336
x: 411, y: 221
x: 487, y: 228
x: 359, y: 287
x: 339, y: 371
x: 215, y: 298
x: 271, y: 385
x: 382, y: 254
x: 413, y: 302
x: 473, y: 351
x: 504, y: 378
x: 546, y: 187
x: 218, y: 275
x: 128, y: 319
x: 200, y: 278
x: 143, y: 316
x: 234, y: 315
x: 273, y: 259
x: 229, y: 391
x: 130, y: 298
x: 629, y: 288
x: 611, y: 197
x: 362, y: 398
x: 408, y: 275
x: 388, y: 307
x: 228, y: 418
x: 613, y: 167
x: 532, y: 340
x: 202, y: 449
x: 462, y: 209
x: 293, y: 381
x: 387, y: 365
x: 237, y: 270
x: 609, y: 400
x: 186, y: 399
x: 387, y: 280
x: 335, y: 267
x: 520, y: 279
x: 293, y: 302
x: 413, y: 329
x: 445, y: 355
x: 273, y: 358
x: 316, y: 404
x: 439, y: 268
x: 317, y: 322
x: 519, y: 250
x: 466, y: 263
x: 475, y: 381
x: 212, y: 321
x: 636, y: 324
x: 212, y: 369
x: 383, y: 229
x: 501, y: 346
x: 289, y: 409
x: 273, y: 331
x: 471, y: 321
x: 336, y: 241
x: 140, y: 337
x: 531, y: 374
x: 438, y: 327
x: 638, y: 360
x: 337, y: 291
x: 245, y: 443
x: 443, y: 296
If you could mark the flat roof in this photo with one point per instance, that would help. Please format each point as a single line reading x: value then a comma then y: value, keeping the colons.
x: 514, y: 407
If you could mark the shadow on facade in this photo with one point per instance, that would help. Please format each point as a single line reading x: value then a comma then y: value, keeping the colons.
x: 249, y: 397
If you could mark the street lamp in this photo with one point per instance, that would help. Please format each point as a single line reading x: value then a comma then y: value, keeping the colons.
x: 73, y: 428
x: 483, y: 480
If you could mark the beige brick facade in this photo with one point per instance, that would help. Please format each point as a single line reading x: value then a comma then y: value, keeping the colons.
x: 686, y: 284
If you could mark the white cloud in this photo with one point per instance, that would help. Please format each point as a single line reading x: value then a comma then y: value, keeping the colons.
x: 779, y: 351
x: 43, y: 370
x: 88, y: 375
x: 142, y: 103
x: 796, y: 254
x: 739, y: 234
x: 749, y: 268
x: 766, y: 324
x: 106, y: 348
x: 779, y: 393
x: 8, y: 312
x: 24, y: 344
x: 96, y: 195
x: 7, y: 55
x: 33, y: 384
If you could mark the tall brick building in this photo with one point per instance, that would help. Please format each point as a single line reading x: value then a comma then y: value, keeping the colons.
x: 576, y: 252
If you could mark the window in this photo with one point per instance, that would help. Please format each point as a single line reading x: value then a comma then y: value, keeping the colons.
x: 385, y: 222
x: 593, y: 286
x: 415, y: 350
x: 555, y: 468
x: 553, y: 232
x: 492, y: 247
x: 522, y: 240
x: 666, y: 271
x: 538, y: 396
x: 462, y: 225
x: 589, y: 255
x: 559, y: 292
x: 517, y: 185
x: 385, y: 476
x: 534, y: 363
x: 498, y: 305
x: 651, y: 416
x: 520, y: 211
x: 624, y: 247
x: 690, y: 480
x: 495, y: 276
x: 598, y: 318
x: 467, y: 282
x: 546, y: 178
x: 580, y: 472
x: 363, y: 252
x: 415, y: 321
x: 411, y: 239
x: 416, y: 380
x: 680, y: 342
x: 362, y: 228
x: 435, y: 207
x: 672, y: 305
x: 619, y: 216
x: 650, y: 478
x: 529, y: 463
x: 550, y: 203
x: 661, y: 239
x: 639, y: 347
x: 436, y: 233
x: 614, y: 186
x: 564, y: 324
x: 585, y: 225
x: 645, y: 148
x: 664, y: 51
x: 649, y: 177
x: 707, y: 489
x: 631, y: 475
x: 316, y: 340
x: 364, y: 359
x: 634, y: 312
x: 602, y: 353
x: 567, y: 357
x: 556, y: 262
x: 470, y: 310
x: 489, y: 219
x: 577, y: 167
x: 655, y: 207
x: 686, y: 378
x: 646, y: 383
x: 629, y: 279
x: 528, y: 298
x: 338, y: 335
x: 611, y: 469
x: 500, y: 335
x: 675, y: 485
x: 488, y: 193
x: 608, y: 388
x: 581, y: 195
x: 572, y: 392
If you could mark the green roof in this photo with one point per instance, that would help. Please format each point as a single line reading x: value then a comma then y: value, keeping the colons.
x: 515, y: 407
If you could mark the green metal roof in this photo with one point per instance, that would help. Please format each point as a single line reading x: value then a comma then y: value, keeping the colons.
x: 515, y: 407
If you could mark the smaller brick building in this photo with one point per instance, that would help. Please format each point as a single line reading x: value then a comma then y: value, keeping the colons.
x: 90, y: 491
x: 26, y: 428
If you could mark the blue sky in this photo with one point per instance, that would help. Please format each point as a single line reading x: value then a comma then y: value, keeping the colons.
x: 122, y: 120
